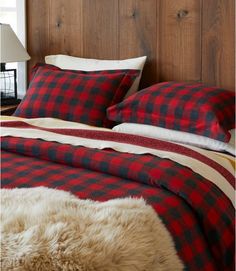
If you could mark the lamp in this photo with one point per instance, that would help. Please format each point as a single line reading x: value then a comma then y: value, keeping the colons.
x: 11, y: 50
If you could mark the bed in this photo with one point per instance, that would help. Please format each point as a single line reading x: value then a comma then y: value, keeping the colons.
x: 182, y: 164
x: 97, y: 175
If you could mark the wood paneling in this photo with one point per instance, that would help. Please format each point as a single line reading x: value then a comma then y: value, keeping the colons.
x: 51, y: 28
x: 180, y: 31
x: 38, y: 14
x: 138, y: 22
x: 218, y: 47
x: 183, y: 39
x: 100, y: 24
x: 65, y: 27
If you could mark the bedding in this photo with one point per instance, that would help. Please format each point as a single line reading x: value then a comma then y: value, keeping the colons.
x: 190, y: 189
x: 178, y: 136
x: 128, y: 72
x: 74, y: 96
x: 88, y: 64
x: 188, y: 107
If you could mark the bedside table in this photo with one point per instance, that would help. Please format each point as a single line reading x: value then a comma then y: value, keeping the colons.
x: 8, y: 110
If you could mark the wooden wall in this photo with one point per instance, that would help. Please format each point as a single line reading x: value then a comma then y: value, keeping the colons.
x: 183, y: 39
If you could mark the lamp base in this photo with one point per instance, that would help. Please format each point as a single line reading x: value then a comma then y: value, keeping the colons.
x: 3, y: 67
x: 8, y: 86
x: 10, y: 101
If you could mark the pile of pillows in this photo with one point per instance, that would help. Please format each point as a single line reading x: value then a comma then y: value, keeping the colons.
x: 104, y: 92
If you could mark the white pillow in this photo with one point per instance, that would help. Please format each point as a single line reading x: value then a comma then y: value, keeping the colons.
x: 177, y: 136
x: 89, y: 64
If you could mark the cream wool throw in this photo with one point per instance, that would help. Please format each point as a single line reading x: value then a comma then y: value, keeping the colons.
x: 48, y: 229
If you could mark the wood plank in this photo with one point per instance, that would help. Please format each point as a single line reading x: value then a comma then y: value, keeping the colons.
x: 66, y: 28
x: 138, y: 35
x: 161, y: 29
x: 218, y: 44
x: 180, y: 32
x: 100, y: 35
x: 38, y: 12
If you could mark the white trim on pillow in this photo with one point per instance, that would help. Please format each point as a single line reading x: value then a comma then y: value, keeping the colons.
x: 89, y: 64
x: 177, y: 136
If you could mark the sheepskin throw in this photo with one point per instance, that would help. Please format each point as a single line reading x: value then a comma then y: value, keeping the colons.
x: 52, y: 230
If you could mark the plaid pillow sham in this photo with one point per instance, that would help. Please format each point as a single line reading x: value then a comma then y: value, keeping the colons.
x: 190, y: 107
x: 129, y: 72
x: 38, y: 65
x: 74, y: 95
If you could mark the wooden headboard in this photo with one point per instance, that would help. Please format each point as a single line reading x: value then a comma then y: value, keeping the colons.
x: 183, y: 39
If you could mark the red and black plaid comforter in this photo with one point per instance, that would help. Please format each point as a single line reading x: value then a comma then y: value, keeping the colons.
x: 198, y: 215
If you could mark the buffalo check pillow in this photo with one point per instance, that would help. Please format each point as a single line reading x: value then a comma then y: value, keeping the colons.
x: 129, y: 72
x: 89, y: 64
x: 74, y: 95
x: 189, y: 107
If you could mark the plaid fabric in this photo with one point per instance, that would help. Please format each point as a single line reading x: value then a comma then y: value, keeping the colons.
x: 129, y: 139
x: 194, y: 108
x: 74, y: 96
x: 197, y: 214
x: 130, y: 72
x: 38, y: 65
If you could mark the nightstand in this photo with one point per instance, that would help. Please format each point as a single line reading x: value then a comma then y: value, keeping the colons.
x: 8, y: 109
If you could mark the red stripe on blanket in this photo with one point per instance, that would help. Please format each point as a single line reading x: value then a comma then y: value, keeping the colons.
x: 130, y: 139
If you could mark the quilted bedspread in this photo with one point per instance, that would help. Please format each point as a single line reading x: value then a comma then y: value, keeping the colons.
x: 197, y: 211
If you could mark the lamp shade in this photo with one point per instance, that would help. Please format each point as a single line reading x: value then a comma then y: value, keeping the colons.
x: 11, y: 49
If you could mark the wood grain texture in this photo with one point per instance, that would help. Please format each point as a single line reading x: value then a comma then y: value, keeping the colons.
x: 190, y: 40
x: 65, y: 26
x: 180, y: 48
x: 138, y: 32
x: 37, y: 32
x: 218, y: 43
x: 100, y: 22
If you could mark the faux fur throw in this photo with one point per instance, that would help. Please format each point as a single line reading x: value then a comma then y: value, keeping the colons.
x: 47, y: 229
